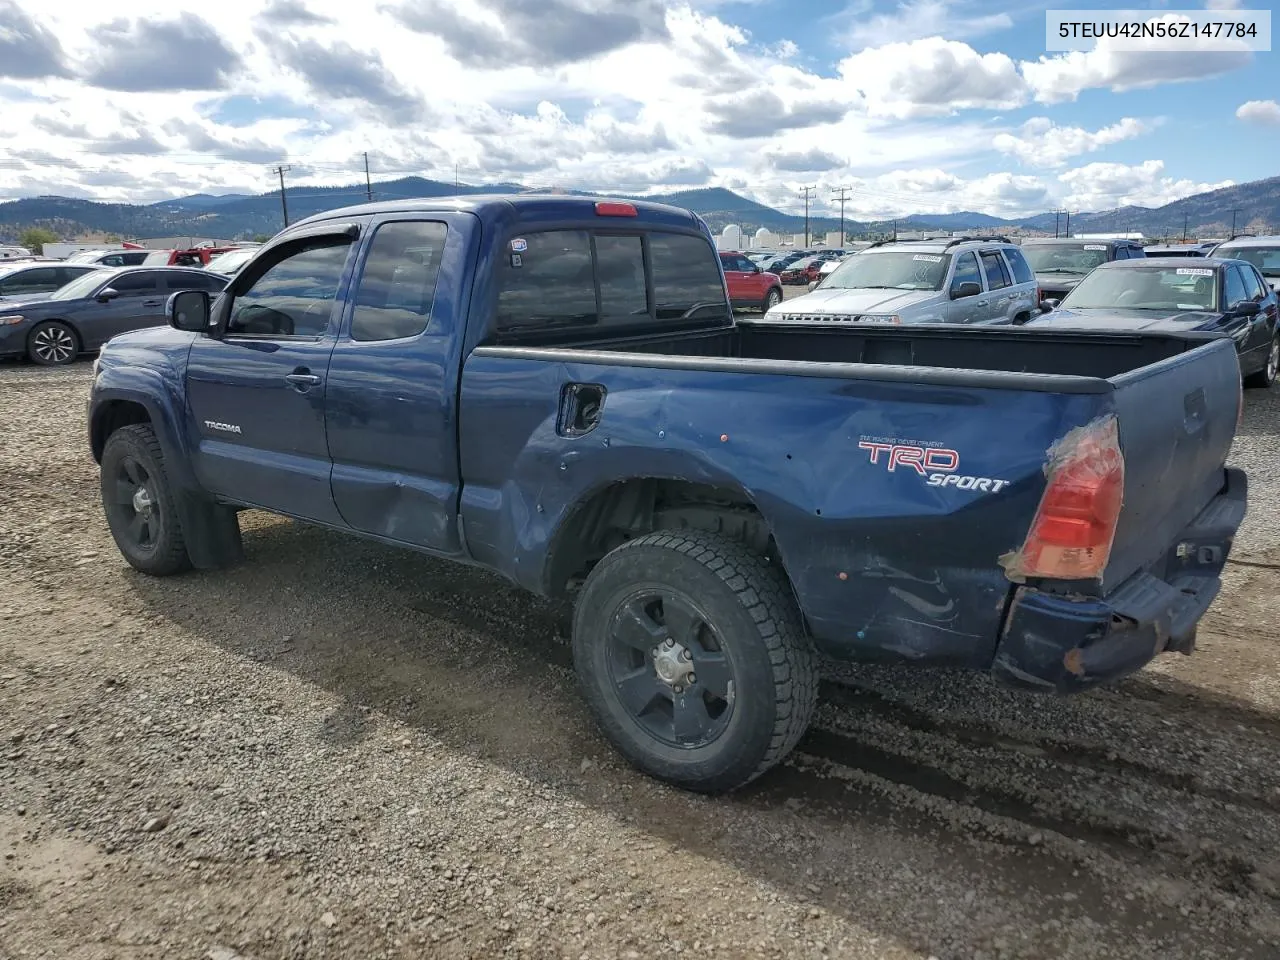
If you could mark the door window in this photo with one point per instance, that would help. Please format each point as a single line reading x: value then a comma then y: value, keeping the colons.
x: 295, y: 296
x: 997, y: 273
x: 195, y: 281
x: 1254, y: 288
x: 140, y: 284
x: 966, y: 270
x: 398, y: 284
x: 30, y: 281
x: 1235, y: 288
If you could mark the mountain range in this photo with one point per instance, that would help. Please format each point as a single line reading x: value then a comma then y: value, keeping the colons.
x: 241, y: 216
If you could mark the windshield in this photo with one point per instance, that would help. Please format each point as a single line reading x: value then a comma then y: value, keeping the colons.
x: 895, y: 270
x: 82, y: 285
x: 1077, y: 259
x: 1168, y: 288
x: 1266, y: 259
x: 231, y: 261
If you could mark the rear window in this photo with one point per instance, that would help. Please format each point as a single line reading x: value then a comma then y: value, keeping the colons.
x: 1021, y: 271
x: 565, y: 278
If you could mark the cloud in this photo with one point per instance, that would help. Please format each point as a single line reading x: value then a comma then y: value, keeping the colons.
x: 199, y: 138
x: 1041, y: 143
x: 806, y: 161
x: 289, y: 13
x: 1105, y: 186
x: 611, y: 136
x: 538, y: 33
x: 61, y: 128
x: 761, y: 112
x: 337, y: 69
x: 28, y: 50
x: 140, y: 144
x: 918, y: 19
x: 932, y: 77
x: 143, y: 56
x: 1265, y: 112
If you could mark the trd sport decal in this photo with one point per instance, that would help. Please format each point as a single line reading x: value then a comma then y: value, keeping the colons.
x: 937, y: 464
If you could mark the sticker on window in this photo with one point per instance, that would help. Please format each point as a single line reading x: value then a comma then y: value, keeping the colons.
x: 1194, y: 272
x: 516, y: 261
x: 1095, y: 246
x: 519, y: 245
x: 927, y: 258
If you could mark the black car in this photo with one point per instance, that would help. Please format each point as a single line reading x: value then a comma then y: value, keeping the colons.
x: 28, y: 281
x: 1207, y: 293
x: 93, y: 308
x: 1059, y: 263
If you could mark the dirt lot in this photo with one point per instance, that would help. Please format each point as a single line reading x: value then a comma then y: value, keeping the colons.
x: 337, y: 750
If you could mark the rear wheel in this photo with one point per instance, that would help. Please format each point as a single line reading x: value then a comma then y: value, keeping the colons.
x: 692, y: 657
x: 53, y: 344
x: 139, y: 503
x: 771, y: 299
x: 1267, y: 375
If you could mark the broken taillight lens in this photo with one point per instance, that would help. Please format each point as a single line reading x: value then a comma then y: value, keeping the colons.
x: 1075, y: 525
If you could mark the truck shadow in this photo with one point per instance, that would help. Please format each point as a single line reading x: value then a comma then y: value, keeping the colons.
x: 1043, y: 807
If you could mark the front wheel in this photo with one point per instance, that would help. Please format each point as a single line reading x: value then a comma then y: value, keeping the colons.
x: 52, y: 344
x: 140, y: 505
x: 771, y: 299
x: 1267, y: 375
x: 692, y: 657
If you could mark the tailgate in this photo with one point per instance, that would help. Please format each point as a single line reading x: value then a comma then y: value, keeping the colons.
x: 1177, y: 420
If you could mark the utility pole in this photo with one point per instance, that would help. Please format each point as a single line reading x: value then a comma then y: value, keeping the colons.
x: 1184, y: 226
x: 1067, y: 230
x: 843, y: 198
x: 368, y: 185
x: 284, y: 204
x: 895, y: 229
x: 1057, y: 220
x: 806, y: 192
x: 1233, y: 221
x: 455, y: 178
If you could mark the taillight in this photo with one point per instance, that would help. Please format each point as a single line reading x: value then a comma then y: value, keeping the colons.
x: 1075, y: 524
x: 609, y: 208
x: 1039, y: 295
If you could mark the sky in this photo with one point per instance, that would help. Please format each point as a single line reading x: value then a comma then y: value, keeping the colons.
x: 913, y: 106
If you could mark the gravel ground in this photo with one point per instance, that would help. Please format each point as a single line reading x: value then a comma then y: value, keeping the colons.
x: 339, y: 750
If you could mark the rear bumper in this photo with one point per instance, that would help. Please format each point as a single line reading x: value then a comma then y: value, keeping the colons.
x: 1057, y: 643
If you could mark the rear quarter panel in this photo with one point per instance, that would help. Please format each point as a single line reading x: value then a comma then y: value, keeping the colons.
x: 884, y: 559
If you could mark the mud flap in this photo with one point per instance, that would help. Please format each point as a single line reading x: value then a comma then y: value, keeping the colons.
x: 211, y: 531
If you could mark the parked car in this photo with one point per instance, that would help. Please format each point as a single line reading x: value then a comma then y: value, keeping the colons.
x: 229, y: 262
x: 801, y: 271
x: 555, y: 388
x: 14, y: 253
x: 961, y: 280
x: 1214, y: 294
x: 87, y: 312
x: 1059, y: 263
x: 750, y: 288
x: 1262, y: 252
x: 110, y: 258
x: 782, y: 261
x: 1176, y: 250
x: 27, y: 280
x: 827, y: 268
x: 186, y: 257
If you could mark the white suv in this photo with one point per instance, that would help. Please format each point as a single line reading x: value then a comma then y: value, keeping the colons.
x: 948, y: 280
x: 1262, y: 252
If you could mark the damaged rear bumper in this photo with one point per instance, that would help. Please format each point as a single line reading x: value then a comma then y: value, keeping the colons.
x: 1066, y: 644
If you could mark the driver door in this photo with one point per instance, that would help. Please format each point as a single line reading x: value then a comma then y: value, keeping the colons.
x: 257, y: 394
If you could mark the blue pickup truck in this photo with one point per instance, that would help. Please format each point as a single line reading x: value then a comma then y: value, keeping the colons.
x: 555, y: 388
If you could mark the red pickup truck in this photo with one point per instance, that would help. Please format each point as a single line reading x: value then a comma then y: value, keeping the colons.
x: 750, y: 288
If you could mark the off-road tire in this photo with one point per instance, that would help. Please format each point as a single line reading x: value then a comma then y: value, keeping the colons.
x: 751, y: 606
x: 168, y: 555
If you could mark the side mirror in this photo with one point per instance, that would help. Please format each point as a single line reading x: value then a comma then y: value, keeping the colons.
x: 755, y: 268
x: 967, y: 289
x: 1247, y: 308
x: 189, y: 310
x: 1049, y: 304
x: 107, y: 294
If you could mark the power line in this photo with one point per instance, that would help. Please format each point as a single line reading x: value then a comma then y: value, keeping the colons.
x: 284, y: 203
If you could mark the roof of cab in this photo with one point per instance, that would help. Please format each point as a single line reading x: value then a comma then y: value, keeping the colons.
x: 1156, y: 263
x: 1049, y: 241
x: 520, y: 206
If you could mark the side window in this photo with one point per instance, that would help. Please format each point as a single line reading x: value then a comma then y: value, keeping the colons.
x: 195, y: 281
x: 966, y: 270
x: 745, y: 265
x: 67, y: 274
x: 1254, y: 288
x: 685, y: 279
x: 1122, y: 253
x: 1235, y: 287
x: 620, y: 271
x: 30, y: 281
x: 1137, y: 253
x: 114, y: 260
x: 995, y: 270
x: 550, y: 283
x: 141, y: 284
x: 1021, y: 270
x: 295, y: 296
x: 398, y: 284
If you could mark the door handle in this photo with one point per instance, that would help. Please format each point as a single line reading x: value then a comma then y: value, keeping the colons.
x: 983, y: 303
x: 302, y: 381
x: 152, y: 303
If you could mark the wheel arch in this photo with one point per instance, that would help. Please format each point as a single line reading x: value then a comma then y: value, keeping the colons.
x: 612, y: 513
